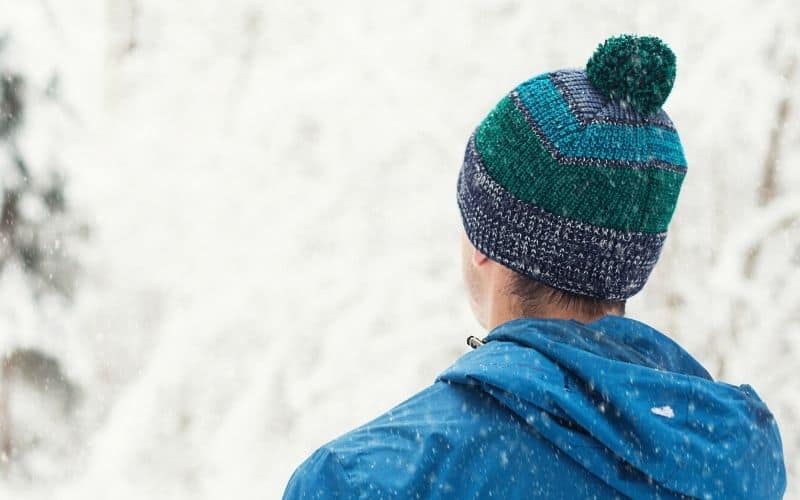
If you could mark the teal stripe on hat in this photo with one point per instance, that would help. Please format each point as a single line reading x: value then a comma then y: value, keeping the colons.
x: 626, y: 199
x: 642, y: 144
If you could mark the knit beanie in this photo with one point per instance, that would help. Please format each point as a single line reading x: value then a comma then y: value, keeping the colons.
x: 573, y: 177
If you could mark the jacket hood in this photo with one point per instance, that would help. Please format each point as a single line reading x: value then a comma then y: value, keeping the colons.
x: 630, y: 406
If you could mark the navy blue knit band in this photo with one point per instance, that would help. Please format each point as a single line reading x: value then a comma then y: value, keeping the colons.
x: 561, y: 252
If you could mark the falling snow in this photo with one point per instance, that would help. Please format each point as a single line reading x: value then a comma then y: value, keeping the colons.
x: 274, y: 249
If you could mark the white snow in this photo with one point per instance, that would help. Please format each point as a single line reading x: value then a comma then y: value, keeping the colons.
x: 664, y: 411
x: 270, y: 187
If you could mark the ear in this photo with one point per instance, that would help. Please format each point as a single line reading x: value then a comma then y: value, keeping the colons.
x: 478, y: 258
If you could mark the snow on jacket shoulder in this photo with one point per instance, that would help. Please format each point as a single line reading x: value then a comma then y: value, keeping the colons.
x: 557, y: 409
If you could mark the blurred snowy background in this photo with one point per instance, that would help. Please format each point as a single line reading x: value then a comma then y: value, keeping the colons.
x: 229, y: 230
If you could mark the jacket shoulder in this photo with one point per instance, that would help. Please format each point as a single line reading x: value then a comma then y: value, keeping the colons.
x: 385, y: 455
x: 320, y: 476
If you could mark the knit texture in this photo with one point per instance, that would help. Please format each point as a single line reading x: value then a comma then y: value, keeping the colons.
x: 637, y: 71
x: 571, y: 185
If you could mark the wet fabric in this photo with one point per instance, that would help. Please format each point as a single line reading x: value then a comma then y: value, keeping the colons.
x: 558, y: 409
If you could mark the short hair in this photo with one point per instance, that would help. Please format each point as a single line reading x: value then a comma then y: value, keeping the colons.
x: 535, y: 296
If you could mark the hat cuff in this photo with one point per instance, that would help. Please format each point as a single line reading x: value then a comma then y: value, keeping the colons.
x: 559, y: 251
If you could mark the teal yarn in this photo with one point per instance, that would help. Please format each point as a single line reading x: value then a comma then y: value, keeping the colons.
x: 557, y: 143
x: 635, y: 71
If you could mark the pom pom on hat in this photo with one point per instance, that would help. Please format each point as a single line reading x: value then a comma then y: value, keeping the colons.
x: 635, y: 71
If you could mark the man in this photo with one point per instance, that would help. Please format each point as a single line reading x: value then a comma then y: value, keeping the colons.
x: 566, y: 191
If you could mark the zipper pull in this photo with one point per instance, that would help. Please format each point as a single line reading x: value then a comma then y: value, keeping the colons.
x: 474, y: 342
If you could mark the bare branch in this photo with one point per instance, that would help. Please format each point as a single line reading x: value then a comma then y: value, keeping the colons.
x: 768, y: 188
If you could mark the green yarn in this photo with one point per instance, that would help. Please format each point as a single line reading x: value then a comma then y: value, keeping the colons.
x: 618, y: 198
x: 634, y: 71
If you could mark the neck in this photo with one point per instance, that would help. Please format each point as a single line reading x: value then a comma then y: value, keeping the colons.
x: 502, y: 310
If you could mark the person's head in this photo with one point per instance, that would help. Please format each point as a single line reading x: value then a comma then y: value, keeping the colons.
x: 568, y: 186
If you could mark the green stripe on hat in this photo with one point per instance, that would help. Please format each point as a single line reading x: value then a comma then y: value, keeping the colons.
x: 622, y: 198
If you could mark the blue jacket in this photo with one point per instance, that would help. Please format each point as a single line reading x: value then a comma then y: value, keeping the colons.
x: 557, y: 409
